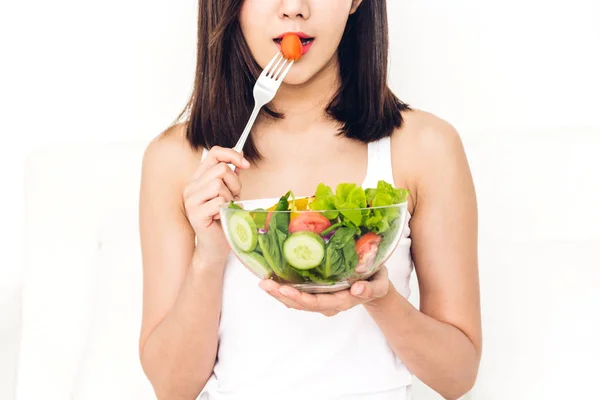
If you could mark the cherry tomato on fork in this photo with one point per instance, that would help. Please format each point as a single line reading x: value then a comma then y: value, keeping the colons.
x: 291, y: 46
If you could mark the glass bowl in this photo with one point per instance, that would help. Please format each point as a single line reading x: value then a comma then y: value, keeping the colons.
x: 311, y: 250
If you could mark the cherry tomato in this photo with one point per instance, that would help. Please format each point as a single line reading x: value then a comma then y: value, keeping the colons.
x: 309, y: 221
x: 366, y: 248
x: 291, y: 46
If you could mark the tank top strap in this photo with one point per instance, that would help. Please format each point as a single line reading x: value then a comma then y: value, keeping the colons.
x: 379, y: 165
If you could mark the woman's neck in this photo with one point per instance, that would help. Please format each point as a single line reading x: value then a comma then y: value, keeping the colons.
x: 305, y: 104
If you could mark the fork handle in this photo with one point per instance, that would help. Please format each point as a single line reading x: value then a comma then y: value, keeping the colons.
x: 242, y: 140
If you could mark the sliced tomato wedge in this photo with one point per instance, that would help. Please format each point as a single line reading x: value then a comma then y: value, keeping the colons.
x: 366, y: 248
x: 309, y: 222
x: 268, y: 220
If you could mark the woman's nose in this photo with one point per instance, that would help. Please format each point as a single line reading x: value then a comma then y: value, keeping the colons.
x: 294, y: 9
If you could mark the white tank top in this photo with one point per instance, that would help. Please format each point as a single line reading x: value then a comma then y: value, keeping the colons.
x: 269, y: 352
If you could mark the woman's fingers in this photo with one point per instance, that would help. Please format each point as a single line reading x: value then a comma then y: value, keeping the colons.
x: 217, y: 155
x: 223, y: 172
x: 207, y: 199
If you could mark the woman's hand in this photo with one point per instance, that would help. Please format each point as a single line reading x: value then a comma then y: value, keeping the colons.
x: 361, y: 292
x: 213, y: 185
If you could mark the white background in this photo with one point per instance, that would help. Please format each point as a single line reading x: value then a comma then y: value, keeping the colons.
x: 120, y: 70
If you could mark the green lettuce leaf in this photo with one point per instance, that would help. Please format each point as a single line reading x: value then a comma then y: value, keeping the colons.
x: 349, y: 199
x: 376, y: 222
x: 314, y: 276
x: 340, y: 255
x: 388, y: 237
x: 271, y: 246
x: 234, y: 206
x: 353, y: 205
x: 379, y: 220
x: 324, y: 201
x: 357, y: 197
x: 333, y: 262
x: 386, y: 195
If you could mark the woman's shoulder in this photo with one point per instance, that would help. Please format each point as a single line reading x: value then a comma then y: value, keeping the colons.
x: 169, y: 156
x: 423, y: 132
x: 423, y: 137
x: 425, y: 145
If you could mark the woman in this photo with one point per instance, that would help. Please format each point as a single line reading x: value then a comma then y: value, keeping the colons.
x: 207, y: 327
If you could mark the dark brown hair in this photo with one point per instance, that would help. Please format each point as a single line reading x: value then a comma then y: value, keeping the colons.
x: 221, y: 101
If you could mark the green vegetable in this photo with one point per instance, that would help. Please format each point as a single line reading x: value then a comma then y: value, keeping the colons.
x: 352, y: 205
x: 271, y: 244
x: 349, y: 199
x: 324, y: 200
x: 314, y: 276
x: 387, y: 194
x: 340, y: 255
x: 387, y: 238
x: 260, y: 217
x: 283, y: 203
x: 257, y: 263
x: 331, y: 229
x: 283, y: 222
x: 304, y: 250
x: 283, y: 219
x: 243, y: 231
x: 234, y: 206
x: 379, y: 220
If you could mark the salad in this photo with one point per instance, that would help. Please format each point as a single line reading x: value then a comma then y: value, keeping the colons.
x: 324, y: 239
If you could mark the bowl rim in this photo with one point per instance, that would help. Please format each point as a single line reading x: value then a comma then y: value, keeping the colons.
x: 225, y: 207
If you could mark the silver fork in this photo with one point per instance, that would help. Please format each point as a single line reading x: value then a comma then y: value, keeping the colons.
x: 264, y: 91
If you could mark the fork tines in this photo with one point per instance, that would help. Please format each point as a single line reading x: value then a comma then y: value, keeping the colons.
x: 276, y: 68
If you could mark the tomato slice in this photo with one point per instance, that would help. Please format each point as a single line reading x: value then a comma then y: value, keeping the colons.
x: 367, y: 240
x: 291, y: 46
x: 268, y: 220
x: 309, y: 222
x: 366, y: 248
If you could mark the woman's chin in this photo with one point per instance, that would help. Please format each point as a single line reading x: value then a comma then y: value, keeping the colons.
x: 308, y: 71
x: 298, y: 77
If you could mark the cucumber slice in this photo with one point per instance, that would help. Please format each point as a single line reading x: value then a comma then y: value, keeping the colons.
x: 304, y: 250
x: 270, y: 246
x: 243, y: 231
x: 257, y: 264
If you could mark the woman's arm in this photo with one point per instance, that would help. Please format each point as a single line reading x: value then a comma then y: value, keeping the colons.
x: 441, y: 343
x: 179, y: 335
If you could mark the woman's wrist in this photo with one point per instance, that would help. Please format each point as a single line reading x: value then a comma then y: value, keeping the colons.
x: 393, y: 302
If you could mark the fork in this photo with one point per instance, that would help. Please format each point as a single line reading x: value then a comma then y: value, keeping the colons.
x: 264, y: 91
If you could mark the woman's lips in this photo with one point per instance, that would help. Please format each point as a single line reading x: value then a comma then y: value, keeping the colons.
x: 301, y: 35
x: 306, y: 47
